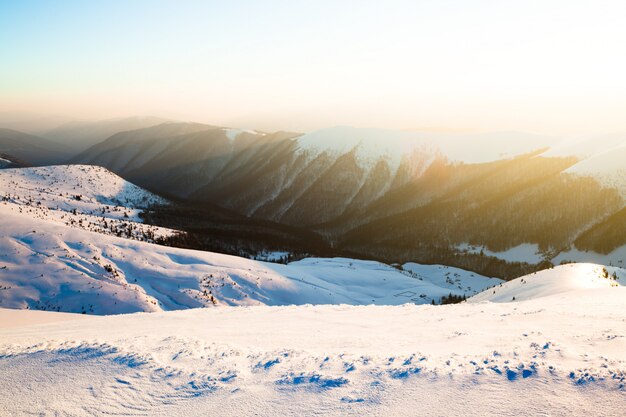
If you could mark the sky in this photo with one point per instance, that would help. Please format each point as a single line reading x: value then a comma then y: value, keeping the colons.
x: 542, y: 66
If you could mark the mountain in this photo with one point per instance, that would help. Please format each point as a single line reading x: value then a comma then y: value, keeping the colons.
x: 30, y: 122
x: 393, y: 195
x: 283, y: 176
x: 79, y: 230
x: 33, y: 150
x: 79, y: 136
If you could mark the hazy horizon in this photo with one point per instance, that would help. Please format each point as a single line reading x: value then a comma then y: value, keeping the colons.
x: 545, y: 67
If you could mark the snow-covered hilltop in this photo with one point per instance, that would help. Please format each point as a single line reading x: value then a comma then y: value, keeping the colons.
x: 83, y: 187
x: 568, y: 278
x: 82, y: 196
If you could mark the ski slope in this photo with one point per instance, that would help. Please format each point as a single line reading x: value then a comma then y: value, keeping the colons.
x: 558, y: 355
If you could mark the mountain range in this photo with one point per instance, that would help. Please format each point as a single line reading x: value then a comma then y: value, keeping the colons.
x: 397, y: 196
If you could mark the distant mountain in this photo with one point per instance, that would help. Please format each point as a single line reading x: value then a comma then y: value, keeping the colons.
x: 392, y: 195
x: 30, y: 122
x: 31, y: 149
x: 79, y: 136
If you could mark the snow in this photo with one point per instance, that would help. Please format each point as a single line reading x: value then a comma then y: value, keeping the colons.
x: 272, y: 256
x: 615, y: 257
x: 21, y: 318
x: 586, y: 146
x: 393, y: 146
x: 46, y: 265
x: 458, y: 281
x: 232, y: 134
x: 561, y: 279
x: 550, y: 343
x: 600, y: 157
x: 82, y: 196
x: 97, y: 184
x: 559, y: 354
x: 50, y: 266
x: 526, y: 252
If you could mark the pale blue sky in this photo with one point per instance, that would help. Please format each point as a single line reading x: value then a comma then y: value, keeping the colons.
x: 546, y: 66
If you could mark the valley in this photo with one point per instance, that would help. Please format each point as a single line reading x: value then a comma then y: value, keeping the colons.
x: 275, y: 277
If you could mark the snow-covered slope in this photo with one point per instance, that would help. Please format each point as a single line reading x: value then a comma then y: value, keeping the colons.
x: 456, y: 280
x: 52, y: 267
x: 44, y: 264
x: 82, y: 196
x: 560, y: 356
x: 56, y: 184
x: 578, y: 277
x: 372, y: 144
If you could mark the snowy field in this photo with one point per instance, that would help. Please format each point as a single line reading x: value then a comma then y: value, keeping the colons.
x: 559, y: 355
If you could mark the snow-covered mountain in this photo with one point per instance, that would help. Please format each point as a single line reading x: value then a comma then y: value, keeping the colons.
x: 51, y: 266
x: 81, y: 196
x: 402, y: 195
x: 64, y: 246
x: 8, y: 161
x: 601, y: 157
x: 284, y: 176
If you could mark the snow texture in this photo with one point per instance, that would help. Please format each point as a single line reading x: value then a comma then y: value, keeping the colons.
x: 558, y: 354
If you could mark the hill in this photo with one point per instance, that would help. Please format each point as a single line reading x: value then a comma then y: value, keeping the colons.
x: 569, y: 278
x: 32, y: 149
x: 78, y: 136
